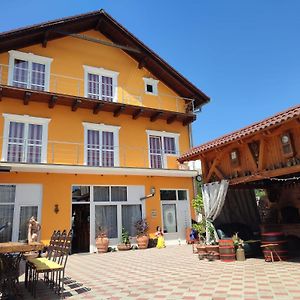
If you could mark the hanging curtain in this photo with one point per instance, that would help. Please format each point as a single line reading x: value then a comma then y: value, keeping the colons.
x: 130, y: 215
x: 106, y: 218
x: 214, y: 195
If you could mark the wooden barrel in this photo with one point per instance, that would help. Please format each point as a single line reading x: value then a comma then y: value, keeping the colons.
x: 280, y: 246
x: 226, y: 249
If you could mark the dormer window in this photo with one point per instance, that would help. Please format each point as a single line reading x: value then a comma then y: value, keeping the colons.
x: 151, y: 86
x: 234, y: 158
x: 286, y: 144
x: 29, y: 71
x: 100, y: 84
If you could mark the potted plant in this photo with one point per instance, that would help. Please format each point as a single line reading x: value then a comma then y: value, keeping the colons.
x: 142, y: 237
x: 102, y: 240
x: 125, y: 245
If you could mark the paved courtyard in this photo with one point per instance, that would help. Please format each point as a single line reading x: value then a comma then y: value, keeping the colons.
x: 174, y: 273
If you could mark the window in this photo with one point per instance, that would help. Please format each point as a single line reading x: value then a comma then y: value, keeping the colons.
x: 151, y: 86
x: 101, y: 145
x: 29, y: 71
x: 161, y: 144
x: 286, y: 144
x: 110, y: 193
x: 173, y: 195
x: 106, y: 218
x: 100, y: 84
x: 234, y: 158
x: 7, y: 203
x: 25, y: 139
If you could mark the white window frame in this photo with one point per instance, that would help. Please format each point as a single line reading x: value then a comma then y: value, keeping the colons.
x: 101, y: 72
x: 103, y: 127
x: 30, y: 58
x: 26, y: 120
x: 163, y: 134
x: 154, y: 83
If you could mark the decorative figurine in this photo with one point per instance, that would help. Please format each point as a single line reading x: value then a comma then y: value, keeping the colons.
x: 34, y: 228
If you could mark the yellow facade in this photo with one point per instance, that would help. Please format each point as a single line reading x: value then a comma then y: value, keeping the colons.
x: 65, y: 144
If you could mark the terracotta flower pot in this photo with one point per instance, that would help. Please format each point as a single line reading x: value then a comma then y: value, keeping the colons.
x: 102, y: 244
x: 124, y: 247
x: 142, y: 241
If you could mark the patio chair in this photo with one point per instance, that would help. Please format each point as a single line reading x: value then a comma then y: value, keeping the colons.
x: 53, y: 266
x: 55, y: 235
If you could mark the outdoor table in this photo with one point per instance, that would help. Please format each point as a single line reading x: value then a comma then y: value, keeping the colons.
x: 10, y: 256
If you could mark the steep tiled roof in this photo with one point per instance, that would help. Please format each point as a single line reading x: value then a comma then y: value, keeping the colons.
x: 275, y: 120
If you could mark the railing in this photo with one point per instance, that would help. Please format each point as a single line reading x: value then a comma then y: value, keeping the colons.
x: 70, y: 85
x: 69, y: 153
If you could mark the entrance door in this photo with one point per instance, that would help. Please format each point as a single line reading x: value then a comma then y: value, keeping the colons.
x: 81, y: 228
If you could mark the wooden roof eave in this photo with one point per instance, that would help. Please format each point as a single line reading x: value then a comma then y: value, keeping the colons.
x: 96, y: 106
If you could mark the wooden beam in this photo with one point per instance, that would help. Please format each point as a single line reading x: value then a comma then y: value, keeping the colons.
x: 76, y: 104
x: 45, y: 39
x: 142, y: 63
x: 266, y: 174
x: 155, y: 116
x: 99, y: 23
x: 204, y: 169
x: 119, y: 110
x: 97, y: 108
x: 219, y: 173
x: 261, y: 156
x: 213, y: 166
x: 27, y: 96
x: 188, y: 121
x: 171, y: 119
x: 98, y: 41
x: 52, y: 101
x: 251, y: 157
x: 137, y: 114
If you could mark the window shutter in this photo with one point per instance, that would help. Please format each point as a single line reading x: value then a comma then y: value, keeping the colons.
x: 169, y: 145
x: 15, y: 147
x: 93, y: 148
x: 107, y: 149
x: 34, y: 143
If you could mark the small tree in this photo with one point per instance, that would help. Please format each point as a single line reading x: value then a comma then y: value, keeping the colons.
x: 125, y: 236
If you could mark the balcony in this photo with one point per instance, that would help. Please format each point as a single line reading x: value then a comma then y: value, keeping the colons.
x: 68, y: 90
x: 74, y: 157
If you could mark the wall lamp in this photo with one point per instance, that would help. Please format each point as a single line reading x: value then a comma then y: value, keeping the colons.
x: 56, y: 208
x: 152, y: 193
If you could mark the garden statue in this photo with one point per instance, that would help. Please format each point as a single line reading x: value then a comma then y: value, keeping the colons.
x: 33, y: 230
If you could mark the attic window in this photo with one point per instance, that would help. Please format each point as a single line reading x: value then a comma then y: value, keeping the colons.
x: 151, y: 86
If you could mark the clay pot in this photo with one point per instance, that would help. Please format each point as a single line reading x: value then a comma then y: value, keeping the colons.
x: 124, y: 247
x: 142, y: 241
x: 102, y: 244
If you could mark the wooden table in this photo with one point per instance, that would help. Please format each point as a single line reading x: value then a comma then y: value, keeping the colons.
x: 10, y: 256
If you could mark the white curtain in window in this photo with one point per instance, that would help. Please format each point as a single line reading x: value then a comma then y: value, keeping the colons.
x: 214, y: 195
x: 130, y: 215
x: 106, y: 218
x: 6, y: 222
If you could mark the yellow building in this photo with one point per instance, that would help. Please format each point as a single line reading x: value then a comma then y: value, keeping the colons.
x: 92, y: 121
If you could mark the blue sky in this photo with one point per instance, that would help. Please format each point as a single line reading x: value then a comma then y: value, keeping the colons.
x: 244, y: 54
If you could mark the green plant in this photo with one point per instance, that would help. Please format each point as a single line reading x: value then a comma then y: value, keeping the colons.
x: 200, y: 227
x: 198, y: 204
x: 141, y: 227
x: 237, y: 241
x: 125, y: 236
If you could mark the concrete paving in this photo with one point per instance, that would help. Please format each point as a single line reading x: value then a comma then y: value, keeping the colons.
x: 173, y: 273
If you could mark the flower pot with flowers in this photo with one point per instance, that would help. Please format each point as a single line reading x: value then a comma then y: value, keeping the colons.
x: 142, y: 237
x: 125, y: 245
x: 102, y: 240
